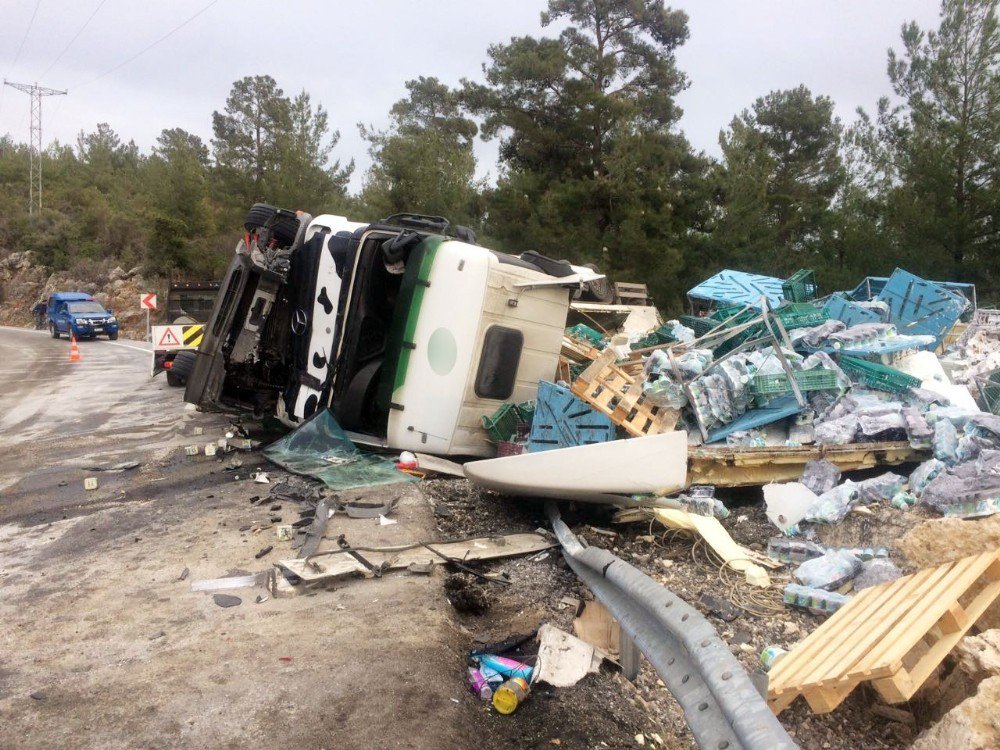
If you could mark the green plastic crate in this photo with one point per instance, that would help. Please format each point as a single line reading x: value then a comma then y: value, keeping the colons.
x: 878, y: 376
x: 800, y: 286
x: 660, y: 336
x: 700, y: 326
x: 503, y: 424
x: 807, y: 380
x: 801, y: 315
x: 526, y: 411
x: 586, y: 333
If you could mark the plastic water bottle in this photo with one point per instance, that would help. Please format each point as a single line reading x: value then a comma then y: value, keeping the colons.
x: 816, y: 601
x: 790, y: 551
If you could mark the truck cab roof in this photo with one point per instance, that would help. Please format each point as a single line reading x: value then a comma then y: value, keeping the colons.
x: 71, y: 297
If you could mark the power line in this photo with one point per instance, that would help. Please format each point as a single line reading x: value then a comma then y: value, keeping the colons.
x: 75, y: 37
x: 25, y: 37
x: 147, y: 48
x: 20, y: 47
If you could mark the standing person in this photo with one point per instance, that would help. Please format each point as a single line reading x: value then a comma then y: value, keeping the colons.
x: 40, y: 313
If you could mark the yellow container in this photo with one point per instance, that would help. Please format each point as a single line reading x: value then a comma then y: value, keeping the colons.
x: 510, y: 695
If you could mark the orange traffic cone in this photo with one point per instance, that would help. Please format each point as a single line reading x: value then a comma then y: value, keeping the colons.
x: 74, y: 350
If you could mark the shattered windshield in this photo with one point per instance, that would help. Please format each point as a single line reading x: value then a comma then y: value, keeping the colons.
x: 85, y: 307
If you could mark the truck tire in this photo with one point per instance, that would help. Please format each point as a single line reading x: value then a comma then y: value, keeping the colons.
x: 181, y: 368
x: 598, y: 290
x: 284, y: 230
x: 53, y: 330
x: 112, y: 337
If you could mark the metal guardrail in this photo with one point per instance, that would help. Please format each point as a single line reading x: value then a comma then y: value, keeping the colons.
x: 721, y: 705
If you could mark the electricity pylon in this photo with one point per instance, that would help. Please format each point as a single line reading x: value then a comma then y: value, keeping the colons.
x: 36, y: 93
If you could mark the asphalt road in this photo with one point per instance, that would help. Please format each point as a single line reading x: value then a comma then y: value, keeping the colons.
x: 59, y: 417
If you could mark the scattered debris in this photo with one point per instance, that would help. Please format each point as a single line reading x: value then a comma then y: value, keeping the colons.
x: 564, y: 659
x: 231, y: 582
x: 335, y: 564
x: 226, y: 600
x: 264, y: 552
x: 467, y: 594
x: 90, y: 483
x: 721, y: 608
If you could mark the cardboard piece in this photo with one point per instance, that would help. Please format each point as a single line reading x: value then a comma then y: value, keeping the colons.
x: 564, y: 659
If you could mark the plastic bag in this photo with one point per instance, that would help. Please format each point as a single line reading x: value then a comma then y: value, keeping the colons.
x: 918, y: 432
x: 680, y: 331
x: 876, y: 572
x: 830, y: 571
x: 815, y: 337
x: 883, y: 487
x: 666, y: 393
x: 657, y: 364
x: 834, y: 504
x: 945, y: 441
x: 923, y: 475
x: 879, y: 422
x: 820, y: 475
x: 693, y: 363
x: 816, y: 601
x: 837, y: 431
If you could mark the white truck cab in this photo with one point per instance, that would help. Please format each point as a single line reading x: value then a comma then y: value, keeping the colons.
x: 410, y: 335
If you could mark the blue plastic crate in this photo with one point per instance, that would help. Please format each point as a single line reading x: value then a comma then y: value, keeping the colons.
x: 738, y: 288
x: 840, y: 308
x: 562, y: 420
x: 921, y: 307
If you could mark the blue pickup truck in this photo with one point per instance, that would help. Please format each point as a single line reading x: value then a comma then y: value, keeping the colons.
x: 78, y: 314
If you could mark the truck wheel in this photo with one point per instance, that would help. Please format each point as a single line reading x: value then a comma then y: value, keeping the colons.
x: 181, y: 368
x: 54, y: 330
x: 112, y: 337
x: 260, y: 213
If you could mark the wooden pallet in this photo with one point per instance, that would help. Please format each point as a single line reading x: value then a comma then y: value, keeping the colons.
x: 613, y: 392
x: 894, y: 636
x: 579, y: 351
x: 632, y: 294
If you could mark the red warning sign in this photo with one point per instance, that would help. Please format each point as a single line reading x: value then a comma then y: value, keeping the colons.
x: 168, y: 339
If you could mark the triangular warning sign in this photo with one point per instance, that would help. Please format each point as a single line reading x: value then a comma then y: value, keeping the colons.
x: 169, y: 339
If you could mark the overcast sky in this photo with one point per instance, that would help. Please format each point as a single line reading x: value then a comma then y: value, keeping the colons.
x: 354, y: 57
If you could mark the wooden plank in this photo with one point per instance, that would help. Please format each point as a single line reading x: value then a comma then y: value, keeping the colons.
x: 325, y: 567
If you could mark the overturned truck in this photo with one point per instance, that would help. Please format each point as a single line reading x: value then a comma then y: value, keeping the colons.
x: 406, y: 329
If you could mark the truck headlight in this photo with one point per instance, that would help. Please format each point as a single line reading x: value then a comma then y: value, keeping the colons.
x: 81, y: 322
x: 112, y: 319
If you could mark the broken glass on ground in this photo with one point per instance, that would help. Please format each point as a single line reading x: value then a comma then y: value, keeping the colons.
x: 319, y: 448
